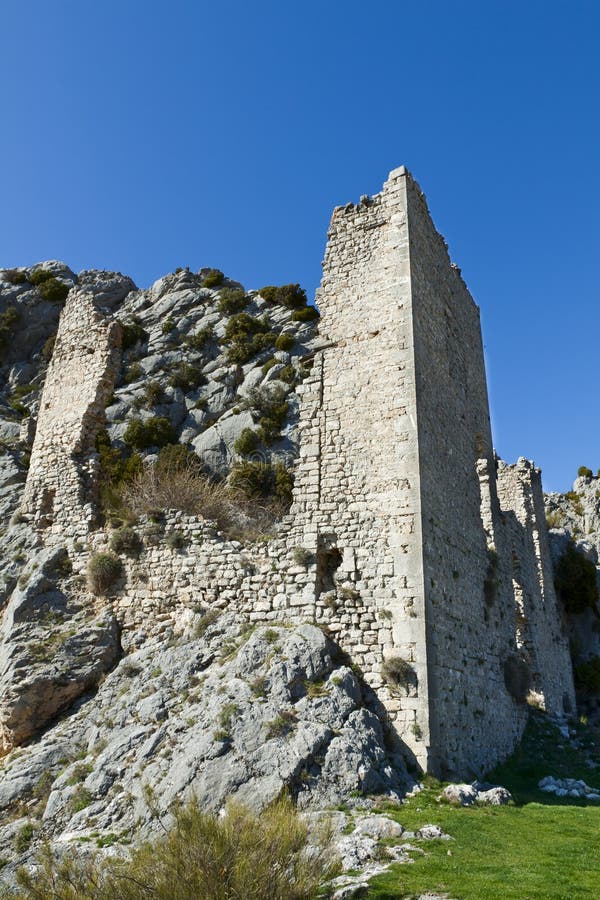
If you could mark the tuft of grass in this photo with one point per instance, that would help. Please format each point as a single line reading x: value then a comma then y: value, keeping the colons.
x: 127, y: 541
x: 282, y: 724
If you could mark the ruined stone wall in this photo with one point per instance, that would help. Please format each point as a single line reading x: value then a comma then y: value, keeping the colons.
x: 474, y: 720
x: 357, y: 495
x: 540, y: 634
x: 59, y: 492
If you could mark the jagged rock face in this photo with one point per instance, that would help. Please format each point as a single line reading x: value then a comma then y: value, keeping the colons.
x: 235, y: 712
x: 207, y: 398
x: 51, y: 650
x: 575, y: 516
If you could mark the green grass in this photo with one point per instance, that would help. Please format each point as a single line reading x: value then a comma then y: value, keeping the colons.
x: 541, y: 848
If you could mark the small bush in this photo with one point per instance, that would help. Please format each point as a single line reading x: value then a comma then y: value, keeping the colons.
x: 258, y: 686
x: 270, y: 363
x: 285, y: 342
x: 168, y: 326
x: 247, y: 442
x: 14, y: 276
x: 245, y: 336
x: 398, y: 672
x: 175, y: 457
x: 575, y: 499
x: 126, y: 541
x: 104, y: 569
x: 153, y: 393
x: 200, y: 339
x: 308, y: 314
x: 206, y: 620
x: 153, y: 432
x: 584, y: 472
x: 517, y: 677
x: 176, y: 540
x: 133, y: 333
x: 187, y: 376
x: 288, y: 374
x: 291, y: 296
x: 8, y: 321
x: 49, y: 287
x: 232, y: 301
x: 302, y: 556
x: 576, y: 581
x: 212, y: 278
x: 48, y: 348
x: 133, y: 372
x: 258, y: 480
x: 23, y: 837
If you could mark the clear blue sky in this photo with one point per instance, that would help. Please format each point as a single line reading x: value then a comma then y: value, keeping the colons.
x: 141, y: 136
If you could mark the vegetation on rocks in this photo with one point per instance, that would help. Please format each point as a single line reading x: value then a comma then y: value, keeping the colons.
x: 291, y: 296
x: 153, y: 432
x: 237, y: 855
x: 104, y: 569
x: 213, y: 278
x: 8, y: 322
x: 49, y: 286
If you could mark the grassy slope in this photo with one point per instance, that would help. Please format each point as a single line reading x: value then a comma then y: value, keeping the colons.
x: 543, y: 847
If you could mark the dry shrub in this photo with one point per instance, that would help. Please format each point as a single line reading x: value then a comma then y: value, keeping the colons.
x: 104, y: 569
x: 238, y: 855
x: 185, y: 488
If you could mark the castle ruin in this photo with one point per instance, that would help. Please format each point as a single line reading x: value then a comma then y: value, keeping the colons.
x: 429, y: 557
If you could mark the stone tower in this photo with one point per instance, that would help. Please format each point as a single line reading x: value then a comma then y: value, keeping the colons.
x: 396, y: 490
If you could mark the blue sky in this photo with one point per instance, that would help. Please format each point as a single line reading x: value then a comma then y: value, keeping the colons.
x: 141, y: 136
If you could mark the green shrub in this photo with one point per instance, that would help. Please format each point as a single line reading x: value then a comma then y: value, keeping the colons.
x: 288, y: 373
x: 133, y: 333
x: 587, y: 676
x: 175, y: 457
x: 308, y: 314
x: 246, y: 336
x: 517, y: 677
x: 205, y: 621
x: 8, y: 321
x: 187, y: 376
x: 285, y: 342
x: 199, y: 340
x: 104, y: 569
x: 49, y: 287
x: 48, y: 348
x: 153, y: 393
x: 115, y: 468
x: 127, y: 541
x: 212, y: 278
x: 232, y: 301
x: 269, y: 365
x: 247, y: 442
x: 23, y: 837
x: 14, y: 276
x: 291, y: 296
x: 133, y: 373
x: 176, y: 540
x: 302, y: 556
x: 257, y: 480
x: 398, y: 672
x: 153, y: 432
x: 205, y: 855
x: 584, y: 472
x: 575, y: 499
x: 168, y: 326
x: 576, y: 581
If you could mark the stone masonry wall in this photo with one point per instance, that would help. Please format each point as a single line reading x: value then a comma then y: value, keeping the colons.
x: 59, y: 492
x: 357, y: 493
x: 541, y: 636
x: 474, y: 720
